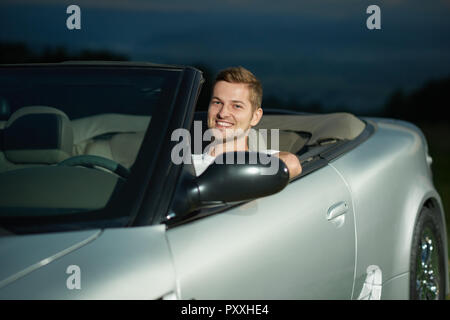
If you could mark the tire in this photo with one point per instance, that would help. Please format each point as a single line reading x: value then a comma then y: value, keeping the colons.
x: 427, y: 264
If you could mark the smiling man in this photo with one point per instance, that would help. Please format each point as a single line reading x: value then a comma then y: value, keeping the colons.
x: 235, y: 108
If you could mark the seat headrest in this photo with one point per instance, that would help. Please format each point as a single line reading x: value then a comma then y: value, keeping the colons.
x: 38, y: 134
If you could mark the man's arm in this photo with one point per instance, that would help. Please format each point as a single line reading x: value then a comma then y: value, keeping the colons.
x: 291, y: 162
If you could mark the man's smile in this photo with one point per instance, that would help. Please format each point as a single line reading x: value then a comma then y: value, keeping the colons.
x: 220, y: 124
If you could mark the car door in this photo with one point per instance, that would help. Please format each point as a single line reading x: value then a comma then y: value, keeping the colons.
x: 296, y: 244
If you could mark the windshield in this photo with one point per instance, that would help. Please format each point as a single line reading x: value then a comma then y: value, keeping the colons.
x: 69, y: 138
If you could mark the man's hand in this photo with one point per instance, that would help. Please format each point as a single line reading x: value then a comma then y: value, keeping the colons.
x: 291, y: 162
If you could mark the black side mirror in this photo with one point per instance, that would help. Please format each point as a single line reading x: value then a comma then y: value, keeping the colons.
x: 247, y: 179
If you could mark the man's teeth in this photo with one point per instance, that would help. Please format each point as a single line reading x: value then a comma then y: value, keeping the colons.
x: 224, y: 124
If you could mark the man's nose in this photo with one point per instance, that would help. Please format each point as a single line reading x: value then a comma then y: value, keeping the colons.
x: 224, y: 111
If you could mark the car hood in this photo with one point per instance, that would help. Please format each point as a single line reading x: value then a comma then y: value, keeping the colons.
x: 21, y: 255
x: 116, y: 263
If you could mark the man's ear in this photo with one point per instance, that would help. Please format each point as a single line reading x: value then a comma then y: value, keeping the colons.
x: 257, y: 115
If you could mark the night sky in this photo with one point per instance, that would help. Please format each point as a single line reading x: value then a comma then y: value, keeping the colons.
x: 316, y: 50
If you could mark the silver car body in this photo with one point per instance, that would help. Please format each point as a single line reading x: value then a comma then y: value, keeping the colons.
x: 385, y: 181
x: 337, y: 232
x: 278, y: 247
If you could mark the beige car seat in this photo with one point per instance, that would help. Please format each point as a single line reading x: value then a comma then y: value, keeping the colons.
x: 114, y: 136
x: 35, y: 135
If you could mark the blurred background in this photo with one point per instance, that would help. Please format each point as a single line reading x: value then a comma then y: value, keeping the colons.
x: 312, y: 55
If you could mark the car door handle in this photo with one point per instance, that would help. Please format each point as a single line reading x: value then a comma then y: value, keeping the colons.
x: 337, y: 210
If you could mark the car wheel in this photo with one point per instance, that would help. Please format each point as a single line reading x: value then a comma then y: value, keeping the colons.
x: 427, y: 264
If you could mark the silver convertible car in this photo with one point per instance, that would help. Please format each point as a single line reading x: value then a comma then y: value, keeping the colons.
x: 92, y: 205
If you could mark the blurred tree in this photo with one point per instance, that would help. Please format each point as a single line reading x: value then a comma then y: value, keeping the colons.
x: 425, y: 104
x: 20, y: 53
x: 101, y: 55
x: 275, y: 102
x: 15, y: 53
x: 49, y: 54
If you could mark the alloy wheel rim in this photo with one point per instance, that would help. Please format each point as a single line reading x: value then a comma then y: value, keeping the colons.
x: 427, y: 275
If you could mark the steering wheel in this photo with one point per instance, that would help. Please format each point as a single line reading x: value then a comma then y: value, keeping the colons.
x: 91, y: 161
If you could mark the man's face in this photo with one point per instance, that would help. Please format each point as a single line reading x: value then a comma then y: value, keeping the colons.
x: 230, y: 110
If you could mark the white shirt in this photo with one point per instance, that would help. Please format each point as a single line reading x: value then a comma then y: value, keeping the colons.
x: 203, y: 161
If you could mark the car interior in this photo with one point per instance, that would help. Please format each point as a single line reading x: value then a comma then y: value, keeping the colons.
x: 35, y: 140
x: 304, y: 135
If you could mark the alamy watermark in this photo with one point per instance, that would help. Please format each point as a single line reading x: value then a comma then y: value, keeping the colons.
x: 74, y: 280
x: 74, y: 20
x: 374, y: 20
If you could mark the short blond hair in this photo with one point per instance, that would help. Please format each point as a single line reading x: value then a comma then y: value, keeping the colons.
x: 242, y: 75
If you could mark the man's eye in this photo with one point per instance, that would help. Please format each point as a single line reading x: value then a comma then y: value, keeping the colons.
x: 238, y: 106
